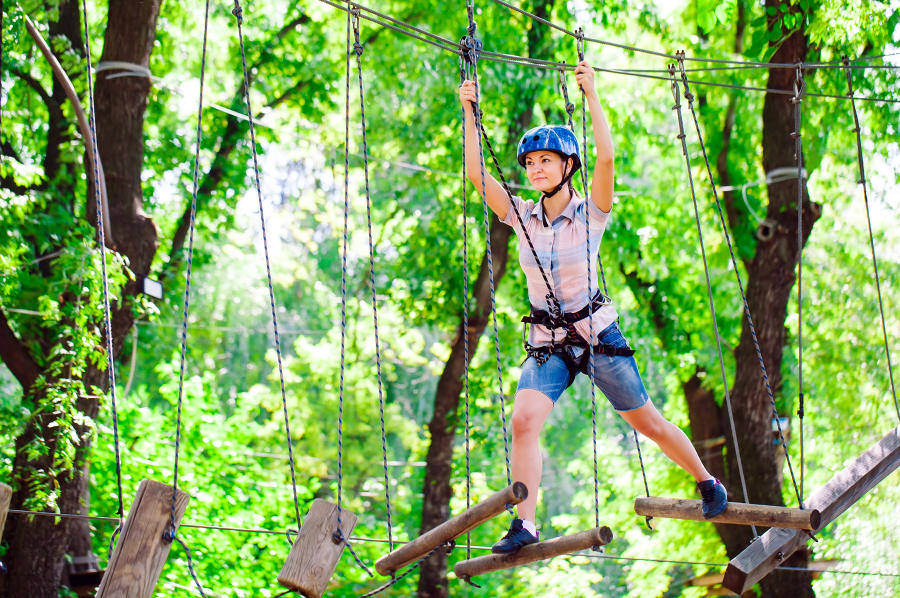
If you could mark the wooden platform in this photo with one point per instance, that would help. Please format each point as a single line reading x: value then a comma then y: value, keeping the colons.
x: 599, y: 536
x: 141, y: 549
x: 737, y: 513
x: 847, y: 487
x: 452, y: 528
x: 315, y: 555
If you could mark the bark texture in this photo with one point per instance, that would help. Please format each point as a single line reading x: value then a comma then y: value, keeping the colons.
x: 37, y: 546
x: 770, y: 280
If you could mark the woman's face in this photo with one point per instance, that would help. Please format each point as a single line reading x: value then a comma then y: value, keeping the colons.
x: 544, y: 169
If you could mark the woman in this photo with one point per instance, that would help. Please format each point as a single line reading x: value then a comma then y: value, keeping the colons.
x: 556, y: 228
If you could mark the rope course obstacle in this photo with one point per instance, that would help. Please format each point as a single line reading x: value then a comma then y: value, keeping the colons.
x: 141, y: 542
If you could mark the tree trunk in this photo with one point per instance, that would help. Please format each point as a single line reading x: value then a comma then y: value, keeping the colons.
x: 439, y: 460
x: 37, y: 546
x: 769, y: 284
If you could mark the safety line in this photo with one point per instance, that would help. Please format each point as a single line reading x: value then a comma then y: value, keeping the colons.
x: 237, y: 11
x: 690, y: 98
x: 580, y: 36
x: 453, y: 47
x: 358, y: 49
x: 712, y: 305
x: 463, y: 68
x: 474, y: 547
x: 862, y: 181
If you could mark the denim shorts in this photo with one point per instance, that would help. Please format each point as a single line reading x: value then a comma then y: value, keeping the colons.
x: 616, y: 377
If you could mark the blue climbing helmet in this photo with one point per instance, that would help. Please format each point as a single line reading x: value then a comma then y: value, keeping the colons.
x: 556, y: 138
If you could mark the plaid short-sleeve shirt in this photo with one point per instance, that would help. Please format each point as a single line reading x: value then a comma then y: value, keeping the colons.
x: 561, y: 246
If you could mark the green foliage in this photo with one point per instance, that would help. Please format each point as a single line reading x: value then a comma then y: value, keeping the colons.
x: 232, y: 446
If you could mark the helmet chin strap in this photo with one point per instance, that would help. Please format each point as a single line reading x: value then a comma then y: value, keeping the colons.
x: 547, y: 194
x: 562, y: 183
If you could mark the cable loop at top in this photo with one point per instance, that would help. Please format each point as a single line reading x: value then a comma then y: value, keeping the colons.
x: 579, y: 43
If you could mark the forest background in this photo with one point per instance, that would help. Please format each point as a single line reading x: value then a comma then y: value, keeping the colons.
x: 57, y: 427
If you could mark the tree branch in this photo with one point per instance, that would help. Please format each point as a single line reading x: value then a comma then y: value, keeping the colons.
x: 16, y: 356
x: 36, y: 86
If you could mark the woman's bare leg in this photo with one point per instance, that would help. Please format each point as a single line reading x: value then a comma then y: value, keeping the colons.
x: 530, y: 411
x: 673, y: 442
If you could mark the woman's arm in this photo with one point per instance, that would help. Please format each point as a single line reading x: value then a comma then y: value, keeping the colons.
x: 495, y: 195
x: 603, y: 185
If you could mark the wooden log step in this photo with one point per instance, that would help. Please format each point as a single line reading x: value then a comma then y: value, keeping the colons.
x: 315, y: 555
x: 452, y: 528
x: 141, y: 549
x: 599, y: 536
x: 737, y: 513
x: 835, y: 497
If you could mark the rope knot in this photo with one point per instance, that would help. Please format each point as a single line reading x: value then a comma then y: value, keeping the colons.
x: 238, y: 12
x: 688, y: 95
x: 570, y: 109
x: 357, y: 47
x: 472, y: 28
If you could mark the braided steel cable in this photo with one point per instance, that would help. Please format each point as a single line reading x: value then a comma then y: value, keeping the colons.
x: 237, y: 11
x: 862, y: 181
x: 465, y: 217
x: 590, y: 295
x: 712, y: 306
x: 107, y: 312
x: 799, y: 87
x: 487, y: 236
x: 690, y: 98
x: 358, y: 48
x: 188, y: 272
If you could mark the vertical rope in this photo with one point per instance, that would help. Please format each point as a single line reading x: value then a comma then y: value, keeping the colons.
x: 487, y: 234
x: 357, y: 47
x: 239, y: 18
x: 797, y: 99
x: 587, y: 233
x: 465, y: 217
x: 107, y: 314
x: 344, y: 276
x: 690, y: 98
x: 862, y: 181
x: 712, y: 305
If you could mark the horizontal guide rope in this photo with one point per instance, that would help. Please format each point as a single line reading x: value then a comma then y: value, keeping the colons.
x: 451, y: 46
x: 767, y: 65
x: 385, y: 541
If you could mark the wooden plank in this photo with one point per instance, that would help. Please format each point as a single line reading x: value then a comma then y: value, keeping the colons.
x: 452, y: 528
x: 599, y: 536
x: 5, y: 497
x: 844, y: 489
x: 141, y: 550
x: 737, y: 513
x: 315, y: 555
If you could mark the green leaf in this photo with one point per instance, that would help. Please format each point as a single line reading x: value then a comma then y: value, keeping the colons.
x: 783, y: 8
x: 771, y: 10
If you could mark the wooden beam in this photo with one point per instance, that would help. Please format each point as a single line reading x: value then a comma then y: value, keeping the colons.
x: 5, y: 497
x: 141, y: 550
x: 844, y: 489
x: 452, y: 529
x: 315, y: 555
x: 737, y: 513
x: 599, y: 536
